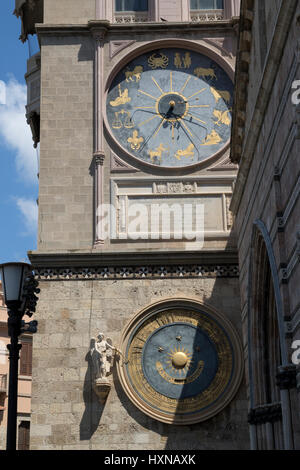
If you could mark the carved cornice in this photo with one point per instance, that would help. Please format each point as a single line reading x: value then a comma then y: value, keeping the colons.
x: 129, y: 28
x: 137, y: 272
x: 95, y: 266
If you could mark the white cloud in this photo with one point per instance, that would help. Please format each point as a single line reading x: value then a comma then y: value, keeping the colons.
x: 2, y: 92
x: 15, y: 132
x: 29, y: 210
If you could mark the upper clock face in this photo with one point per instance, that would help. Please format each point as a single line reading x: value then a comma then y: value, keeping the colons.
x: 171, y: 107
x: 181, y: 365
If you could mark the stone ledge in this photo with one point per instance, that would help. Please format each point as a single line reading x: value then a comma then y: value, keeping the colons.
x: 109, y: 266
x: 96, y: 259
x: 63, y: 29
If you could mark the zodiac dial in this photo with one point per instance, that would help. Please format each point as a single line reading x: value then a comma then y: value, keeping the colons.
x: 181, y: 365
x: 171, y: 108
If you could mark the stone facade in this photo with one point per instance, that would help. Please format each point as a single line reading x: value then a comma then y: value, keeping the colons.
x: 66, y: 412
x: 89, y: 284
x: 266, y: 203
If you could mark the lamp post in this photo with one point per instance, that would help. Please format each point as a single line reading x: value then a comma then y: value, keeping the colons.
x: 19, y: 288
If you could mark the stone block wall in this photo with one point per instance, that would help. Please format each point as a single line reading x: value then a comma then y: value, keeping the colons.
x: 66, y: 195
x: 271, y: 190
x: 66, y: 413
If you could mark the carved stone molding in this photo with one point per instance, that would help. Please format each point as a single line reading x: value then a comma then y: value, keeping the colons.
x: 115, y: 47
x: 102, y: 388
x: 117, y: 165
x: 175, y: 187
x: 265, y: 414
x: 224, y: 165
x: 134, y: 17
x: 219, y: 44
x: 99, y: 158
x: 207, y: 15
x: 137, y: 272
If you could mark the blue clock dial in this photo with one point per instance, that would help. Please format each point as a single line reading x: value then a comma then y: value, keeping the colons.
x: 180, y: 364
x: 171, y: 108
x: 185, y: 366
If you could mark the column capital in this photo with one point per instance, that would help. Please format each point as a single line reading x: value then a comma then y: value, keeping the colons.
x: 265, y: 414
x: 286, y: 377
x: 99, y: 158
x: 99, y: 29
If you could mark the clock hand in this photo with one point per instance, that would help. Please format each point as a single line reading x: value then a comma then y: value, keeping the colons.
x: 184, y: 130
x: 195, y: 123
x: 152, y: 134
x: 144, y: 111
x: 198, y: 138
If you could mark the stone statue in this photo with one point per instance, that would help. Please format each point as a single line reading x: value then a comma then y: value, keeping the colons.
x: 102, y: 354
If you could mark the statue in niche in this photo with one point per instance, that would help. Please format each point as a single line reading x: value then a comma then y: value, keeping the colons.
x: 101, y: 352
x: 102, y: 355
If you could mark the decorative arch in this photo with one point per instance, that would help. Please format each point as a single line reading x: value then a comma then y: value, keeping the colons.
x: 269, y: 417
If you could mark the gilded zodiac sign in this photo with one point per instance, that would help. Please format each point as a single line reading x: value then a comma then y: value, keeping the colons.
x: 177, y: 60
x: 180, y: 63
x: 156, y: 62
x: 119, y: 124
x: 135, y: 73
x: 188, y: 152
x: 212, y: 139
x: 201, y: 72
x: 135, y: 141
x: 222, y: 117
x: 187, y: 61
x: 158, y: 152
x: 218, y: 94
x: 123, y: 97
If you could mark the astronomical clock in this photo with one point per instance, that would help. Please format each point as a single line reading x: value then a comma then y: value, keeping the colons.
x: 181, y: 363
x: 170, y: 108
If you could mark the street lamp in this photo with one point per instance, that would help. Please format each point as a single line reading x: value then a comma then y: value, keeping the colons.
x: 19, y: 288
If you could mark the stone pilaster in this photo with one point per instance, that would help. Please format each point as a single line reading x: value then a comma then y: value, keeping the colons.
x: 98, y: 32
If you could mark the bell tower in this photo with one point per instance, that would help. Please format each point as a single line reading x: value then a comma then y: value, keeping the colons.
x: 135, y: 234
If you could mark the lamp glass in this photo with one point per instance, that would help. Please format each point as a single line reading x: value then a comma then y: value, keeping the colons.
x: 13, y: 275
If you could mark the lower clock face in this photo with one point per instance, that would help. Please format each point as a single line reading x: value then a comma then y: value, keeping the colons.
x: 171, y: 108
x: 180, y: 365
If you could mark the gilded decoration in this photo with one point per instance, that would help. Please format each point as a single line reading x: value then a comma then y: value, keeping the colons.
x: 183, y: 363
x: 177, y: 102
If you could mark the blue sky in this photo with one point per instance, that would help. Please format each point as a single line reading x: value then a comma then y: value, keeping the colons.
x: 18, y: 158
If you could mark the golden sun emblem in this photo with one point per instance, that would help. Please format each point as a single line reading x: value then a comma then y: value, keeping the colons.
x: 180, y: 360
